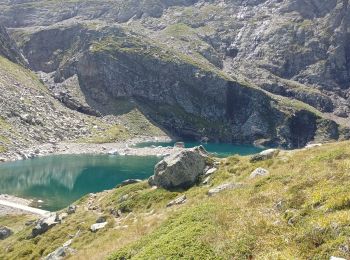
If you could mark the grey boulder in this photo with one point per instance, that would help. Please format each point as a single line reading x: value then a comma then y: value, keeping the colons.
x: 180, y: 170
x: 5, y: 233
x: 45, y: 224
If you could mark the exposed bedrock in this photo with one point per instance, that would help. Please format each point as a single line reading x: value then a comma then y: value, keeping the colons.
x: 188, y: 98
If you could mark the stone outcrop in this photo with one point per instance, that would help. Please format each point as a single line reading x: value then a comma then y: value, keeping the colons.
x: 5, y: 232
x: 45, y: 224
x: 259, y: 172
x: 223, y: 187
x: 264, y: 155
x: 8, y: 48
x: 178, y: 201
x: 97, y: 226
x: 61, y: 252
x: 180, y: 170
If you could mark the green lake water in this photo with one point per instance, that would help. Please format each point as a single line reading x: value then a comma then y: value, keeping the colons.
x: 217, y: 149
x: 60, y: 180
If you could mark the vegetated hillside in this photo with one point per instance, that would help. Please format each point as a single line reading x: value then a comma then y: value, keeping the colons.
x: 299, y: 211
x: 30, y: 114
x: 237, y: 71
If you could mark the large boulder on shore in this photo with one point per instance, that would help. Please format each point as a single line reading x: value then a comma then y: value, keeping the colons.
x: 180, y: 170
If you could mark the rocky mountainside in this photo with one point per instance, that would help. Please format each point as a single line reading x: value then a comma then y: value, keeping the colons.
x: 31, y: 115
x: 269, y: 72
x: 8, y: 48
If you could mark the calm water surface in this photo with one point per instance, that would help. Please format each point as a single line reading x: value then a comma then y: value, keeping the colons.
x: 218, y: 149
x: 61, y: 180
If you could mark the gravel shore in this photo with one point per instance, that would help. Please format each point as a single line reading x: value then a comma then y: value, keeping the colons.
x: 12, y: 211
x: 120, y: 148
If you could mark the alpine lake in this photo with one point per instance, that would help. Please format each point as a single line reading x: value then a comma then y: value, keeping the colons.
x: 59, y: 180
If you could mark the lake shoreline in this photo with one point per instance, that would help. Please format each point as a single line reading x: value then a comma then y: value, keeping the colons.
x: 5, y: 210
x: 127, y: 147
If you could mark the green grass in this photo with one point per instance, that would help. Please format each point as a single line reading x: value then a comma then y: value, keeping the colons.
x: 19, y: 74
x: 111, y: 134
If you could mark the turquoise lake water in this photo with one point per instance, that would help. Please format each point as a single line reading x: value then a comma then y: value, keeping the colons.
x: 60, y: 180
x: 218, y: 149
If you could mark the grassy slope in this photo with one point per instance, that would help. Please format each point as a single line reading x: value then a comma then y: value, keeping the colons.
x: 300, y: 211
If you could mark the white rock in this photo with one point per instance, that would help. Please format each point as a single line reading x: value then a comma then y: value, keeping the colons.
x: 309, y: 146
x: 206, y: 180
x: 98, y: 226
x: 336, y: 258
x: 259, y: 172
x: 210, y: 171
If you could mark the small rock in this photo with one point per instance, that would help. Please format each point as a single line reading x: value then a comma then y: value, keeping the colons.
x: 101, y: 219
x: 177, y: 201
x: 97, y: 226
x: 68, y: 243
x: 309, y: 146
x: 206, y: 180
x: 71, y: 209
x: 61, y: 252
x: 116, y: 213
x: 45, y: 224
x: 123, y: 198
x: 336, y: 258
x: 129, y: 181
x: 210, y: 171
x: 2, y: 159
x: 62, y: 216
x: 259, y: 172
x: 5, y: 232
x: 264, y: 155
x: 222, y: 187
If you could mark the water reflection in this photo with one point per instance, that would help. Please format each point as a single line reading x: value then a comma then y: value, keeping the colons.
x: 60, y: 180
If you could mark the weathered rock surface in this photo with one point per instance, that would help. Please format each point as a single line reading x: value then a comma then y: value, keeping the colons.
x: 71, y: 209
x: 210, y: 172
x: 259, y: 172
x: 223, y: 187
x: 180, y: 170
x: 129, y: 181
x: 5, y: 232
x: 8, y: 48
x: 264, y: 155
x: 178, y: 201
x: 97, y: 226
x: 61, y: 252
x: 45, y: 224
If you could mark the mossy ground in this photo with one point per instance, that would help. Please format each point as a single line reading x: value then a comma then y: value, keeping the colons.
x: 300, y: 211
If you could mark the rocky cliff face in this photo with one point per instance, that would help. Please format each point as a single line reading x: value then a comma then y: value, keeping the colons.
x: 8, y: 48
x: 273, y: 72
